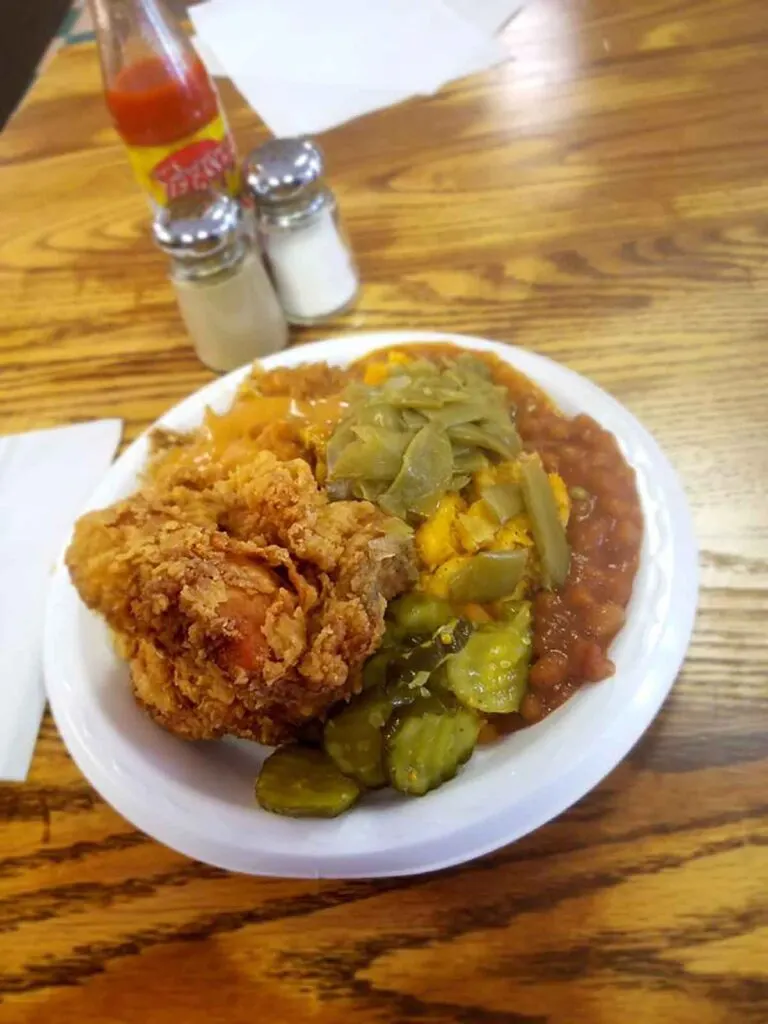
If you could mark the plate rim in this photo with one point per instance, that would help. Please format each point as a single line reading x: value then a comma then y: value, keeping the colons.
x: 588, y: 771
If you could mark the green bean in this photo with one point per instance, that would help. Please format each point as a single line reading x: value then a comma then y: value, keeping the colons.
x: 375, y: 455
x: 427, y: 742
x: 490, y: 674
x: 377, y: 414
x: 456, y: 415
x: 417, y: 368
x: 419, y: 614
x: 478, y: 529
x: 423, y: 431
x: 459, y: 481
x: 412, y: 419
x: 302, y: 782
x: 341, y: 437
x: 503, y: 442
x: 425, y: 475
x: 357, y: 394
x: 425, y: 396
x: 398, y: 530
x: 469, y: 368
x: 504, y: 500
x: 547, y: 529
x: 369, y: 490
x: 508, y: 610
x: 468, y: 460
x: 488, y: 576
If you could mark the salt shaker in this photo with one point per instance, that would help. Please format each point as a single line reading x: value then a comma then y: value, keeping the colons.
x: 304, y: 245
x: 224, y: 293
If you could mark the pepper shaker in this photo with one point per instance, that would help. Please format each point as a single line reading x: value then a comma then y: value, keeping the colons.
x: 224, y: 293
x: 306, y: 250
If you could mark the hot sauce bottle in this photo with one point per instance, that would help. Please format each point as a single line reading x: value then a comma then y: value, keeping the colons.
x: 163, y: 102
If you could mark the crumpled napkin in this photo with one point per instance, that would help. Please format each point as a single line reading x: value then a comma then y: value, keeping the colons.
x: 306, y: 67
x: 46, y: 477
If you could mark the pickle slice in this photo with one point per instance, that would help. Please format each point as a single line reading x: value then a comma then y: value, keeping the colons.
x: 375, y: 668
x: 419, y: 614
x: 302, y: 782
x: 410, y: 666
x: 427, y: 742
x: 490, y: 674
x: 353, y: 738
x: 354, y: 741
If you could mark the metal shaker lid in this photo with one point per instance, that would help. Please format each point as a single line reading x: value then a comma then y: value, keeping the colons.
x: 284, y: 172
x: 199, y: 226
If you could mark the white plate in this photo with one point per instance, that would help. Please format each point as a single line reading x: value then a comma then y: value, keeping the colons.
x: 198, y: 797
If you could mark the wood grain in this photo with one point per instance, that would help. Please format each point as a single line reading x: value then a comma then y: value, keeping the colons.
x: 602, y: 198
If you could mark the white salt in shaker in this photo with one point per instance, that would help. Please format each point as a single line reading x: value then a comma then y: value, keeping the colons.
x: 304, y: 245
x: 224, y: 293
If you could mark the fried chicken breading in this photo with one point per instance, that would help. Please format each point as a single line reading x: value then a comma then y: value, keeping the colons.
x: 244, y: 601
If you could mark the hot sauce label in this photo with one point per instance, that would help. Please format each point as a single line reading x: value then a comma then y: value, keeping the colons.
x: 190, y: 165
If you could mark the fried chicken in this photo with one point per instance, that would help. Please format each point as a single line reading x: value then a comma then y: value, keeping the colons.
x: 243, y: 599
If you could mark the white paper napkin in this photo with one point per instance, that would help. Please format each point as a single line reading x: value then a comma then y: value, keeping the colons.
x: 45, y: 478
x: 305, y: 67
x: 488, y: 15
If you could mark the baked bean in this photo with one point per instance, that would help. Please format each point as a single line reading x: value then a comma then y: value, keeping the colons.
x: 488, y: 734
x: 570, y: 455
x: 531, y: 708
x: 604, y: 620
x: 604, y: 483
x: 584, y: 427
x: 559, y: 429
x: 546, y: 602
x: 578, y: 595
x: 540, y: 643
x: 588, y: 534
x: 627, y: 534
x: 619, y: 587
x: 607, y: 443
x: 616, y: 508
x: 549, y: 671
x: 599, y: 460
x: 597, y: 667
x: 573, y: 627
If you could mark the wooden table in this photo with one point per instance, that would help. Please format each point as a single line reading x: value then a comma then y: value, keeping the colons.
x: 602, y: 199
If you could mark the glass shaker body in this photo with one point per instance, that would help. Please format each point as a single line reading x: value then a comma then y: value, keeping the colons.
x: 305, y: 247
x: 230, y: 308
x: 225, y: 296
x: 310, y: 261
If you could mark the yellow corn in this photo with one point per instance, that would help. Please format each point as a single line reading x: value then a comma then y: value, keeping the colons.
x: 435, y: 539
x: 438, y: 582
x: 376, y: 373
